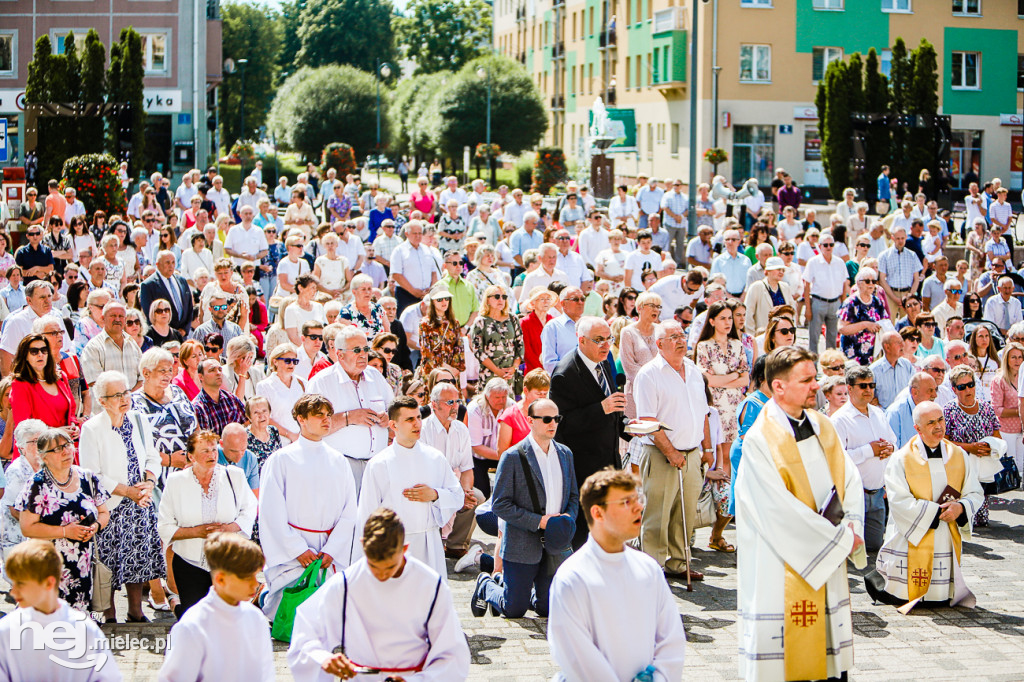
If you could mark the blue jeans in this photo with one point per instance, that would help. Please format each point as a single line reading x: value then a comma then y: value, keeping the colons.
x: 526, y: 586
x: 642, y: 225
x: 874, y: 519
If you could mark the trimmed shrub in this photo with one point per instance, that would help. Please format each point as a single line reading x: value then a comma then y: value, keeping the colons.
x: 340, y: 157
x: 549, y: 169
x: 94, y: 177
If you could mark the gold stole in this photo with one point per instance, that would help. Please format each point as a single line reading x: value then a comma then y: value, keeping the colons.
x: 805, y: 639
x: 919, y: 478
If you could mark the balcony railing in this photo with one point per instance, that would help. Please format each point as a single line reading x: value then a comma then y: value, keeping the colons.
x: 558, y: 50
x: 558, y: 102
x: 607, y: 38
x: 609, y: 96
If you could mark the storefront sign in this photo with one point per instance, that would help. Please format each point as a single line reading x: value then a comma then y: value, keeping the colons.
x: 12, y: 101
x: 1011, y: 120
x: 1016, y: 159
x: 805, y: 113
x: 160, y: 101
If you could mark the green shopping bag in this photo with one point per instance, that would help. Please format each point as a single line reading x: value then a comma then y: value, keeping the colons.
x: 312, y: 578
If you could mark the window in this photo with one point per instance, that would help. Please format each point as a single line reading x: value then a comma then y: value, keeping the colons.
x: 591, y: 29
x: 8, y: 51
x: 58, y: 35
x: 650, y: 142
x: 828, y: 4
x: 675, y: 140
x: 154, y: 52
x: 756, y: 3
x: 661, y: 133
x: 656, y: 75
x: 965, y: 71
x: 823, y: 56
x: 639, y: 66
x: 885, y: 63
x: 753, y: 154
x: 755, y: 63
x: 895, y: 5
x: 965, y: 157
x: 590, y: 80
x: 629, y: 73
x: 1020, y: 71
x: 1020, y: 8
x: 971, y: 7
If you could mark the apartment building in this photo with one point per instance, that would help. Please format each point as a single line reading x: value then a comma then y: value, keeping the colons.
x: 760, y: 62
x: 182, y: 53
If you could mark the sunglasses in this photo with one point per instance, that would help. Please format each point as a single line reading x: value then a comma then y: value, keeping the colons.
x: 788, y: 331
x: 357, y: 349
x: 826, y: 246
x: 502, y: 297
x: 34, y: 233
x: 547, y: 419
x: 963, y: 387
x: 576, y: 299
x: 133, y: 323
x: 39, y: 350
x: 219, y: 308
x: 289, y: 361
x: 162, y: 310
x: 956, y: 292
x: 314, y: 337
x: 387, y: 351
x: 929, y: 325
x: 869, y: 281
x: 866, y: 385
x: 212, y: 349
x: 836, y: 368
x: 863, y: 246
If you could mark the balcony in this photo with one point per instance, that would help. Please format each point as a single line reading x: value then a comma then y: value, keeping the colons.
x: 607, y: 39
x: 558, y: 3
x: 520, y: 14
x: 558, y: 102
x: 609, y: 96
x: 558, y: 50
x: 521, y: 58
x: 213, y: 10
x: 671, y: 19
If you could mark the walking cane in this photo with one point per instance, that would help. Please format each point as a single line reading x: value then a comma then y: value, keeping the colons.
x: 686, y: 535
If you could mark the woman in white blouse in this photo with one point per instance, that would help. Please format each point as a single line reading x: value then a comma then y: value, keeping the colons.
x: 195, y: 258
x: 202, y: 499
x: 282, y: 388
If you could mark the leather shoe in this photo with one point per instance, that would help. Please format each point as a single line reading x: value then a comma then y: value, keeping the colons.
x: 454, y: 553
x: 695, y: 576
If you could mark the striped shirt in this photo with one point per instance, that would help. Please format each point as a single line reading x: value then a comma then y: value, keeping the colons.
x: 889, y: 380
x: 677, y: 202
x: 899, y: 267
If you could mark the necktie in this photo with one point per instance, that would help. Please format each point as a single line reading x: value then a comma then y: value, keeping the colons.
x: 602, y: 380
x: 1006, y: 314
x: 175, y: 295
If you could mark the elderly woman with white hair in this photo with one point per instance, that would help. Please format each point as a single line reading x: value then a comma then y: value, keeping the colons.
x: 140, y: 249
x: 485, y: 274
x: 241, y: 376
x: 482, y: 419
x: 859, y: 318
x: 362, y: 311
x: 18, y: 474
x: 333, y: 271
x: 167, y: 408
x: 282, y: 388
x: 116, y: 273
x: 119, y: 447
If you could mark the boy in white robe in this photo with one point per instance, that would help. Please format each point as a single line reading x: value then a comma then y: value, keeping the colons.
x: 416, y: 481
x: 793, y: 601
x: 223, y: 637
x: 307, y: 504
x: 30, y: 634
x: 387, y: 613
x: 920, y: 558
x: 612, y: 613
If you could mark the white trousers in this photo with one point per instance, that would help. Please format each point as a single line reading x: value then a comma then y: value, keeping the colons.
x: 1015, y: 448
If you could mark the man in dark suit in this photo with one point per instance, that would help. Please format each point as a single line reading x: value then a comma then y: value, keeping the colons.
x: 592, y: 409
x: 536, y: 494
x: 170, y: 287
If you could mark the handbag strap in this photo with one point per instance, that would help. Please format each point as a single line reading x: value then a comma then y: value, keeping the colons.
x: 227, y: 473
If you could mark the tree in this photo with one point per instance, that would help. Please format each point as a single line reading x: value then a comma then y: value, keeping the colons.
x: 836, y: 93
x: 901, y: 74
x: 254, y: 33
x: 313, y: 105
x: 354, y: 32
x: 125, y: 80
x: 291, y: 17
x: 411, y: 103
x: 443, y: 35
x: 94, y: 90
x: 460, y: 116
x: 877, y: 141
x: 923, y: 101
x: 47, y: 82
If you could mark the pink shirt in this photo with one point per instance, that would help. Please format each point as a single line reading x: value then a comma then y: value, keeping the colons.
x: 1004, y: 397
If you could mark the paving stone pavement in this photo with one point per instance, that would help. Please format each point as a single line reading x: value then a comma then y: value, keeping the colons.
x: 985, y: 643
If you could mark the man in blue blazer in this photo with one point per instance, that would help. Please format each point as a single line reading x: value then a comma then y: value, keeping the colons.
x: 535, y: 493
x: 160, y: 284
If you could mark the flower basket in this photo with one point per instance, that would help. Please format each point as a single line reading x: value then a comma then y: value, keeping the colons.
x: 340, y: 157
x: 94, y: 178
x: 549, y: 169
x: 716, y: 156
x: 485, y: 151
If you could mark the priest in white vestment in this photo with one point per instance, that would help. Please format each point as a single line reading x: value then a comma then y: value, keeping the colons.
x: 920, y: 558
x: 387, y: 612
x: 307, y: 504
x: 794, y: 615
x: 612, y: 614
x: 416, y: 481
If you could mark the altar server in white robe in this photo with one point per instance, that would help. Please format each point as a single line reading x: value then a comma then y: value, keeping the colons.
x: 33, y: 567
x: 793, y: 611
x: 416, y: 481
x: 307, y: 503
x: 612, y: 613
x: 920, y: 558
x: 223, y: 637
x: 387, y: 612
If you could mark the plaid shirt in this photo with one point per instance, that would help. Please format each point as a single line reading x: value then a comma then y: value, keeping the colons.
x: 899, y: 267
x: 101, y: 354
x: 216, y: 415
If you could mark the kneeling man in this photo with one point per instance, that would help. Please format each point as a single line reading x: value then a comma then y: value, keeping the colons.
x: 933, y: 492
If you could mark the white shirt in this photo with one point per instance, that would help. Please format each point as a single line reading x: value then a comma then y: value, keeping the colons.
x: 249, y: 241
x: 217, y: 641
x: 623, y: 211
x: 540, y: 278
x: 458, y: 194
x: 453, y: 442
x: 789, y: 230
x: 636, y: 262
x: 673, y: 295
x: 1003, y: 313
x: 591, y: 242
x: 19, y: 325
x: 416, y: 264
x: 184, y: 195
x: 410, y: 320
x: 575, y: 268
x: 826, y: 279
x: 75, y: 208
x: 661, y: 393
x: 221, y: 199
x: 856, y: 432
x: 514, y: 212
x: 295, y: 316
x: 251, y: 200
x: 372, y: 392
x: 550, y: 475
x: 352, y: 249
x: 40, y: 660
x: 282, y: 398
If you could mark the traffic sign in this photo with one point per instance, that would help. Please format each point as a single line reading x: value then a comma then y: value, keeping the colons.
x: 4, y: 155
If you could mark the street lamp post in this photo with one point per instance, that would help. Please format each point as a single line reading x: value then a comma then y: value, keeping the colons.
x: 383, y: 71
x: 691, y: 217
x: 486, y: 74
x: 241, y: 122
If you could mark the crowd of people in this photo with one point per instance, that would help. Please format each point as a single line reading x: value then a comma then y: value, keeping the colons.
x: 357, y: 382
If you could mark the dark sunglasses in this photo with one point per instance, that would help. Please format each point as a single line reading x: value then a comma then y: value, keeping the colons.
x: 503, y: 297
x: 289, y: 361
x: 38, y: 350
x: 869, y: 281
x: 212, y: 349
x: 387, y: 351
x: 930, y: 325
x: 963, y: 387
x: 866, y: 385
x: 315, y: 337
x: 788, y: 331
x: 836, y: 368
x: 547, y: 419
x: 219, y: 308
x: 133, y: 323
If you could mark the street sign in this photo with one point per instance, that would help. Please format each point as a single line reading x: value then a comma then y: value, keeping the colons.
x: 785, y: 130
x: 3, y: 141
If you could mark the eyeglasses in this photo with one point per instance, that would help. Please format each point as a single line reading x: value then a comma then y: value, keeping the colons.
x: 959, y: 356
x: 133, y: 323
x: 829, y: 245
x: 59, y: 448
x: 212, y: 349
x: 576, y: 299
x: 34, y: 233
x: 836, y: 368
x: 118, y: 396
x: 502, y: 297
x: 561, y: 239
x: 627, y: 502
x: 929, y: 325
x: 162, y: 310
x: 863, y: 246
x: 420, y: 394
x: 388, y: 351
x: 963, y: 387
x: 788, y: 331
x: 547, y: 419
x: 866, y: 385
x: 631, y: 298
x: 357, y: 349
x: 956, y: 292
x: 314, y: 337
x: 449, y: 403
x: 937, y: 370
x: 219, y: 308
x: 39, y: 350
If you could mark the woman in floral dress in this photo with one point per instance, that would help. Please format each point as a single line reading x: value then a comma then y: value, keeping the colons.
x: 440, y: 334
x: 720, y: 356
x: 497, y: 339
x: 67, y: 505
x: 859, y: 317
x: 485, y: 275
x: 263, y: 439
x: 968, y: 420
